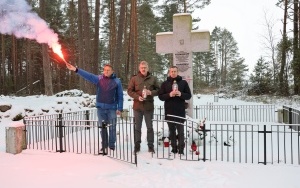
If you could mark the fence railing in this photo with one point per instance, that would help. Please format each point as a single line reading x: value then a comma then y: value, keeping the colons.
x: 273, y: 143
x: 225, y: 113
x: 79, y: 132
x: 291, y: 116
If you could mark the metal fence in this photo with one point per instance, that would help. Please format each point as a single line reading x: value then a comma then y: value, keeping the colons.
x: 226, y: 113
x: 290, y: 116
x: 252, y: 143
x: 79, y: 132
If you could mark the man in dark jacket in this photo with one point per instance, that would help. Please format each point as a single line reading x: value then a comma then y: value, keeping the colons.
x: 143, y: 107
x: 109, y: 101
x: 175, y: 106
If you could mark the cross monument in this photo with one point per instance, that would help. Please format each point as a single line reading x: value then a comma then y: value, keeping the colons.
x: 182, y: 42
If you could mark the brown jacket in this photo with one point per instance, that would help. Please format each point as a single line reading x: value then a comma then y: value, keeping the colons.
x: 135, y: 88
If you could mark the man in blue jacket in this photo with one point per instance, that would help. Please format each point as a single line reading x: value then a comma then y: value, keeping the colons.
x: 109, y: 100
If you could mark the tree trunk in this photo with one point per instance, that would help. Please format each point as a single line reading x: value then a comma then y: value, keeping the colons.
x: 296, y: 59
x: 29, y: 67
x: 75, y: 45
x: 46, y: 59
x: 112, y: 28
x: 14, y: 63
x: 119, y: 42
x: 134, y: 38
x: 47, y: 71
x: 87, y: 47
x: 96, y: 38
x: 2, y: 65
x: 283, y: 87
x: 80, y: 43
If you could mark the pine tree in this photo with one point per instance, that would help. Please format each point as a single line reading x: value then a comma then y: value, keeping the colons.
x: 261, y: 78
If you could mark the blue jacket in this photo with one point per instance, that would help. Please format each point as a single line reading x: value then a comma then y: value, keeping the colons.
x: 109, y: 90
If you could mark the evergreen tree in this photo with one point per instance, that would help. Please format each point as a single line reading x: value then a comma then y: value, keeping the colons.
x: 237, y: 73
x: 261, y: 78
x: 226, y: 51
x: 147, y: 38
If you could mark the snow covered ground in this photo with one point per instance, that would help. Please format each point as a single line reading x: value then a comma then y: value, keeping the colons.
x: 33, y: 168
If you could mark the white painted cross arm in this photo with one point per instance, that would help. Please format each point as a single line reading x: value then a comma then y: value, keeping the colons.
x: 183, y: 38
x: 199, y: 42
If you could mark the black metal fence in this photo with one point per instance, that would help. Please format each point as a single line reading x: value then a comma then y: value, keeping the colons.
x: 253, y: 143
x: 79, y: 132
x: 290, y: 116
x: 233, y: 142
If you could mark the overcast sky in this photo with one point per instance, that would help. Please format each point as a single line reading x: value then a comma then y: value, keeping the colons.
x: 245, y: 19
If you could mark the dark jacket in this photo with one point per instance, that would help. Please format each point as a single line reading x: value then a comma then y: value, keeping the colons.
x: 174, y: 105
x: 135, y: 88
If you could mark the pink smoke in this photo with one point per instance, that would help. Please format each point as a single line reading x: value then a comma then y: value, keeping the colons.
x: 18, y: 19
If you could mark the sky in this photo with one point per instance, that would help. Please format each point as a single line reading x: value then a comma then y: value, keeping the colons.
x: 246, y: 20
x: 35, y: 169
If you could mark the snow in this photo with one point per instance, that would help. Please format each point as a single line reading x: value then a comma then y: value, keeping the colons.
x: 33, y: 168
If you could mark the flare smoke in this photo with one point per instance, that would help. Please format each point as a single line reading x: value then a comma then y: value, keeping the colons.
x: 18, y: 19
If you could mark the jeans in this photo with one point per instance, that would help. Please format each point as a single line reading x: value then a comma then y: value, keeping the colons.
x: 180, y: 130
x: 138, y: 116
x: 107, y: 116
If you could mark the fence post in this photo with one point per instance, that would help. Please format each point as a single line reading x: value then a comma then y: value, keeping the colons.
x: 60, y: 133
x: 204, y: 141
x: 290, y: 116
x: 87, y: 117
x: 104, y: 137
x: 235, y: 113
x: 196, y: 111
x: 265, y: 143
x: 160, y: 108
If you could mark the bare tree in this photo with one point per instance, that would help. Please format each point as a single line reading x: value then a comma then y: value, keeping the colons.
x: 269, y: 43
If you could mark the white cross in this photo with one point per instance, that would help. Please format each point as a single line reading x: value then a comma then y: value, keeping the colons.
x: 182, y: 42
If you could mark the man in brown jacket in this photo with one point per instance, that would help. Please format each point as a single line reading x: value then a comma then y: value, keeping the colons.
x: 143, y: 106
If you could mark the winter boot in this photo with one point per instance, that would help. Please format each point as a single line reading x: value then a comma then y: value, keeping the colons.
x: 137, y: 148
x: 151, y: 149
x: 174, y: 150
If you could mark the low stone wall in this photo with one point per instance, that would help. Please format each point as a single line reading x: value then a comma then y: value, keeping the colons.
x: 15, y: 138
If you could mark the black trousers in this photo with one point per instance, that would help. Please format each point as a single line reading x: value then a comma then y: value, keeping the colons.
x: 173, y: 136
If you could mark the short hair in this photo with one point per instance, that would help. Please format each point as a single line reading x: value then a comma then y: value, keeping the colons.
x: 108, y: 65
x: 174, y: 67
x: 144, y: 63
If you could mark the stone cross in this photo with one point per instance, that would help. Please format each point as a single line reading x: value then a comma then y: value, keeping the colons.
x: 182, y: 42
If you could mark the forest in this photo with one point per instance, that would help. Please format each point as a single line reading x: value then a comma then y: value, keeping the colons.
x: 122, y: 33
